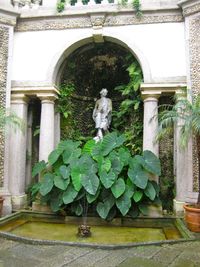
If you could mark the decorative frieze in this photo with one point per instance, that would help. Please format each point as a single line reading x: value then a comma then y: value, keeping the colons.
x: 145, y: 19
x: 84, y: 21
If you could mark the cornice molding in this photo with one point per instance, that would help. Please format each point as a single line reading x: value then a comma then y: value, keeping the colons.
x: 153, y: 89
x: 89, y: 21
x: 189, y: 7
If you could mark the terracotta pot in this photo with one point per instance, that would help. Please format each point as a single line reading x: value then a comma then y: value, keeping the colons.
x: 1, y: 205
x: 192, y: 218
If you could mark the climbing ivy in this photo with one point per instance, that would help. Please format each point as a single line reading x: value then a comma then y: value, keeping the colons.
x: 129, y: 117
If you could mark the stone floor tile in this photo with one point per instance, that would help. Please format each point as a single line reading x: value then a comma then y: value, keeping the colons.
x: 140, y: 262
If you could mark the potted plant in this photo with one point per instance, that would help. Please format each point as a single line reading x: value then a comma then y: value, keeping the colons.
x: 188, y: 114
x: 102, y: 176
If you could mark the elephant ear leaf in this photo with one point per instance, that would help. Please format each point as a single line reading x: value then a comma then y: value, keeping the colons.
x: 111, y: 141
x: 38, y: 168
x: 118, y: 187
x: 151, y: 163
x: 46, y: 184
x: 90, y: 182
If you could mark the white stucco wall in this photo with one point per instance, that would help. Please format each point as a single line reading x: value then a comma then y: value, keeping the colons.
x: 159, y: 47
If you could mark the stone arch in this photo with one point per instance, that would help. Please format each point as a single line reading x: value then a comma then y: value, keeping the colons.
x: 58, y: 59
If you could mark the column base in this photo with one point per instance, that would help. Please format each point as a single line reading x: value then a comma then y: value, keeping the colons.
x: 178, y: 207
x: 19, y: 202
x: 7, y: 205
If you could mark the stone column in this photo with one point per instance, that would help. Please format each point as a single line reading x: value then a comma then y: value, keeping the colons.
x: 29, y: 146
x: 183, y: 169
x: 46, y: 143
x: 57, y: 128
x: 17, y: 154
x: 150, y: 123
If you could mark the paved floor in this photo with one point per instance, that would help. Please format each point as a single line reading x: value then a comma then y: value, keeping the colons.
x: 15, y: 254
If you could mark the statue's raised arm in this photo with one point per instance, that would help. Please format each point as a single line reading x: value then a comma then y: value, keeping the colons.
x: 102, y: 114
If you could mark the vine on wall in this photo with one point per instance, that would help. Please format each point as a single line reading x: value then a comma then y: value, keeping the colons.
x: 136, y: 5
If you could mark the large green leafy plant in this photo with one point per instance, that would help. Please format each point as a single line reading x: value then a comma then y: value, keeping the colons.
x: 185, y: 115
x: 101, y: 175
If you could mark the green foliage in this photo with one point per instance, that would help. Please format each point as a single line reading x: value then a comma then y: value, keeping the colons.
x: 128, y: 119
x: 65, y: 107
x: 137, y: 7
x: 61, y: 5
x: 183, y: 111
x: 186, y: 114
x: 9, y: 119
x: 102, y: 176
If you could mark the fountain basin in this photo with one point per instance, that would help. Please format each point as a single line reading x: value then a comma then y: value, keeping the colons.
x: 121, y: 232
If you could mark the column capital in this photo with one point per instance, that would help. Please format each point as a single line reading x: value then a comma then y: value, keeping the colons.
x: 150, y: 97
x: 47, y: 98
x: 19, y: 99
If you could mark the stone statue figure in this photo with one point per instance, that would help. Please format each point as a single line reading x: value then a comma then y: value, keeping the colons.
x: 102, y: 114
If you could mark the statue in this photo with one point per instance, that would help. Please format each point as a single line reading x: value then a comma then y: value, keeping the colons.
x: 102, y: 114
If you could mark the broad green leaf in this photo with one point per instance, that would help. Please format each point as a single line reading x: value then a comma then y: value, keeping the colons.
x: 64, y: 171
x: 103, y: 209
x: 56, y: 202
x: 60, y: 183
x: 69, y: 155
x: 138, y: 195
x: 54, y: 155
x: 88, y: 147
x: 118, y: 188
x: 35, y: 189
x: 47, y: 183
x: 107, y: 179
x: 156, y: 187
x: 123, y: 204
x: 69, y: 195
x: 104, y: 164
x: 68, y: 145
x: 124, y: 155
x: 87, y: 164
x: 130, y: 189
x: 150, y: 191
x: 151, y: 163
x: 38, y: 168
x: 138, y: 177
x: 143, y: 208
x: 92, y: 198
x: 76, y: 178
x: 90, y: 182
x: 116, y: 164
x: 111, y: 141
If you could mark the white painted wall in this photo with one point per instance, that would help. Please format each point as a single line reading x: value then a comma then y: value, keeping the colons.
x: 160, y: 47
